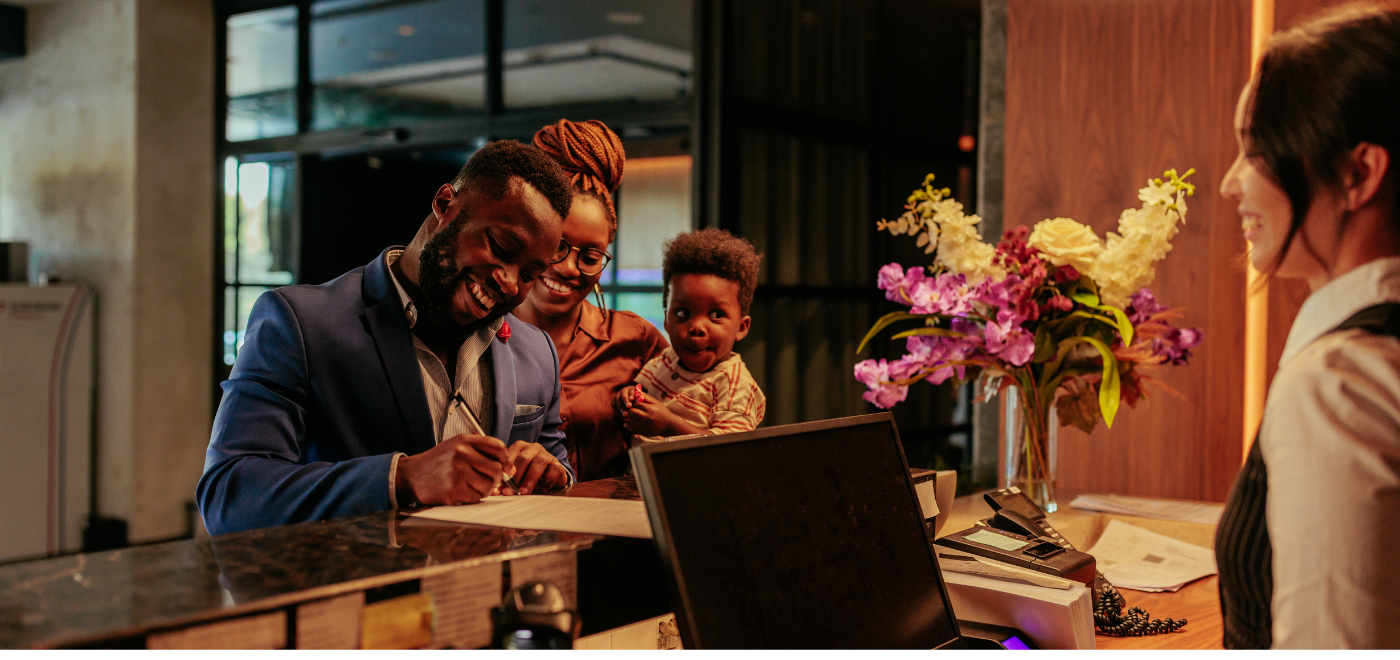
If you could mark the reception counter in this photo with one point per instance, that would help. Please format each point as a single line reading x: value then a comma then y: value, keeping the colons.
x: 149, y: 596
x: 286, y: 587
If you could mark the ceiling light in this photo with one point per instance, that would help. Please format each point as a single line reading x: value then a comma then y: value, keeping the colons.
x: 624, y: 18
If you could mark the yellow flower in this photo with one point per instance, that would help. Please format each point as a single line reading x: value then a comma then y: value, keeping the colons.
x: 1064, y: 241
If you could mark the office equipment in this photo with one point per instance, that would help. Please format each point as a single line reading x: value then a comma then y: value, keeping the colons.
x: 1018, y: 534
x: 1051, y: 618
x: 534, y: 616
x: 14, y: 259
x: 799, y: 536
x: 46, y: 396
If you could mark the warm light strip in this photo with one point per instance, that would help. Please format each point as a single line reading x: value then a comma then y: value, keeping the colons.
x: 1256, y: 308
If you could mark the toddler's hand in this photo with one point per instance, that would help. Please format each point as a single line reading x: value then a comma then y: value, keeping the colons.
x: 646, y: 416
x: 625, y: 398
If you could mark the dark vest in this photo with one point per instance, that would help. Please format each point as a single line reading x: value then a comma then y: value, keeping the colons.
x: 1243, y: 552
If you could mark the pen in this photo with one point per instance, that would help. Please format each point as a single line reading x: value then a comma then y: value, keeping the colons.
x: 458, y: 400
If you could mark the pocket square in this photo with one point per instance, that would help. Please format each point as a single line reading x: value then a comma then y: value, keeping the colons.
x: 525, y: 410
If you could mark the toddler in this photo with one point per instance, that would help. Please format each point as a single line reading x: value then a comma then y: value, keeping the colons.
x: 699, y: 384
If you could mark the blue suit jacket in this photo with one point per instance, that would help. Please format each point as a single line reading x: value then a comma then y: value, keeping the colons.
x: 327, y: 388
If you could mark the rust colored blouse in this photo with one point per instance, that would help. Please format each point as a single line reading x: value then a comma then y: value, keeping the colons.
x: 606, y: 353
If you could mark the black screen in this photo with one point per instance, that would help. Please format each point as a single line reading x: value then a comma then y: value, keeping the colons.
x: 800, y: 539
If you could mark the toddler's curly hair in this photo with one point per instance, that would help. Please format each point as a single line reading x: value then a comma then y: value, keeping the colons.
x: 712, y: 252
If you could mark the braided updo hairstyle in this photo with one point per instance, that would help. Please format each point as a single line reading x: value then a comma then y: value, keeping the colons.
x: 591, y: 154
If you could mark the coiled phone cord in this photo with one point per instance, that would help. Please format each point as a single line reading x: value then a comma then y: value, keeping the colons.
x: 1111, y: 621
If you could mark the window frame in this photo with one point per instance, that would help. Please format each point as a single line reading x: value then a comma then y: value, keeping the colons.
x: 669, y: 121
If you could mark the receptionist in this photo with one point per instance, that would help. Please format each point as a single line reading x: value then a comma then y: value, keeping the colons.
x: 1307, y: 547
x: 389, y: 386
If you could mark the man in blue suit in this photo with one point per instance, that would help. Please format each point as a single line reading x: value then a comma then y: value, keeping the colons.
x: 390, y: 385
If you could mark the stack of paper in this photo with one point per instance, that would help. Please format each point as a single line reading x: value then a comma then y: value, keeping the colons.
x: 1150, y: 508
x: 1052, y: 618
x: 565, y: 514
x: 1135, y: 558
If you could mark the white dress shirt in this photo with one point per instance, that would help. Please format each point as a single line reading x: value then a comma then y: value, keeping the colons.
x: 1331, y: 440
x: 473, y: 381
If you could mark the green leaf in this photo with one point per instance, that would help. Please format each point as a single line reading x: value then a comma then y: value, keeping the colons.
x: 1101, y: 319
x: 884, y: 322
x: 1125, y: 327
x: 1044, y: 345
x: 927, y: 332
x: 1110, y: 389
x: 1087, y: 298
x: 1120, y: 320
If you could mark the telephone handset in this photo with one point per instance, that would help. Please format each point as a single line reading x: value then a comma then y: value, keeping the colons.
x: 1012, y: 507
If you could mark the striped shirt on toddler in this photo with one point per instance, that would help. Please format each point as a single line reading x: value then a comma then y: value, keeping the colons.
x: 724, y: 399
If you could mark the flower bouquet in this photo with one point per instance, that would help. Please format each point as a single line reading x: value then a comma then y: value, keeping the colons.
x: 1055, y: 312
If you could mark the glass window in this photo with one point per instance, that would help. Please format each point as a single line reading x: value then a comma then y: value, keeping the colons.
x: 262, y: 74
x: 261, y: 238
x: 573, y: 51
x: 653, y: 206
x: 383, y: 63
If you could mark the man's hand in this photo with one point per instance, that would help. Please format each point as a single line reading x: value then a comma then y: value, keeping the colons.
x: 534, y: 468
x: 650, y: 417
x: 461, y: 470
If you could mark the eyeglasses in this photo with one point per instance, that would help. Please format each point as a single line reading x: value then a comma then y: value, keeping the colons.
x: 590, y: 261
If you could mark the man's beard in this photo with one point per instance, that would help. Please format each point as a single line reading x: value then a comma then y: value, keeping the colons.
x: 438, y: 279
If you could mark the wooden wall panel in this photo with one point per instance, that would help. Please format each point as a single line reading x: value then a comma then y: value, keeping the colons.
x: 1100, y: 96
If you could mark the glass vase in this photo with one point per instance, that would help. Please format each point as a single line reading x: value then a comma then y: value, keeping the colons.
x: 1031, y: 431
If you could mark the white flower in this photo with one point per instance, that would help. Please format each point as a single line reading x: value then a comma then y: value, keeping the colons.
x: 1157, y: 192
x: 1064, y: 241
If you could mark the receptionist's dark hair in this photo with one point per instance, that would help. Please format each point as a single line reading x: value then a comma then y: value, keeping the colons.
x: 1323, y: 87
x: 711, y: 252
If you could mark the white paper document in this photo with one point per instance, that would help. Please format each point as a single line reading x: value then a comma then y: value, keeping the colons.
x: 1135, y: 558
x: 588, y: 515
x: 1146, y: 507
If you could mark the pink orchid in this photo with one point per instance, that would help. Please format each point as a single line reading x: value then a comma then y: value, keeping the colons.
x: 878, y: 374
x: 946, y: 294
x: 1007, y: 339
x: 893, y: 278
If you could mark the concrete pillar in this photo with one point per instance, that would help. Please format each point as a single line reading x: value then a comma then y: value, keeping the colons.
x: 106, y: 168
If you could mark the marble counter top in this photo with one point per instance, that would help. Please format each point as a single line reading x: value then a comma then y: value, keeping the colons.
x: 102, y: 598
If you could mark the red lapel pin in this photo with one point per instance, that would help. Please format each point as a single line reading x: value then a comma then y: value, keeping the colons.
x: 504, y: 333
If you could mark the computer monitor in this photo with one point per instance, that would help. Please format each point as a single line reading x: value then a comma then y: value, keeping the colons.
x: 800, y: 536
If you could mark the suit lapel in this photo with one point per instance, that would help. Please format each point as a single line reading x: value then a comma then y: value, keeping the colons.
x: 503, y: 371
x: 387, y: 324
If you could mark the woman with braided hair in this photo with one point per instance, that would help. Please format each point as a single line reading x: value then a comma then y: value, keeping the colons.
x: 600, y: 351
